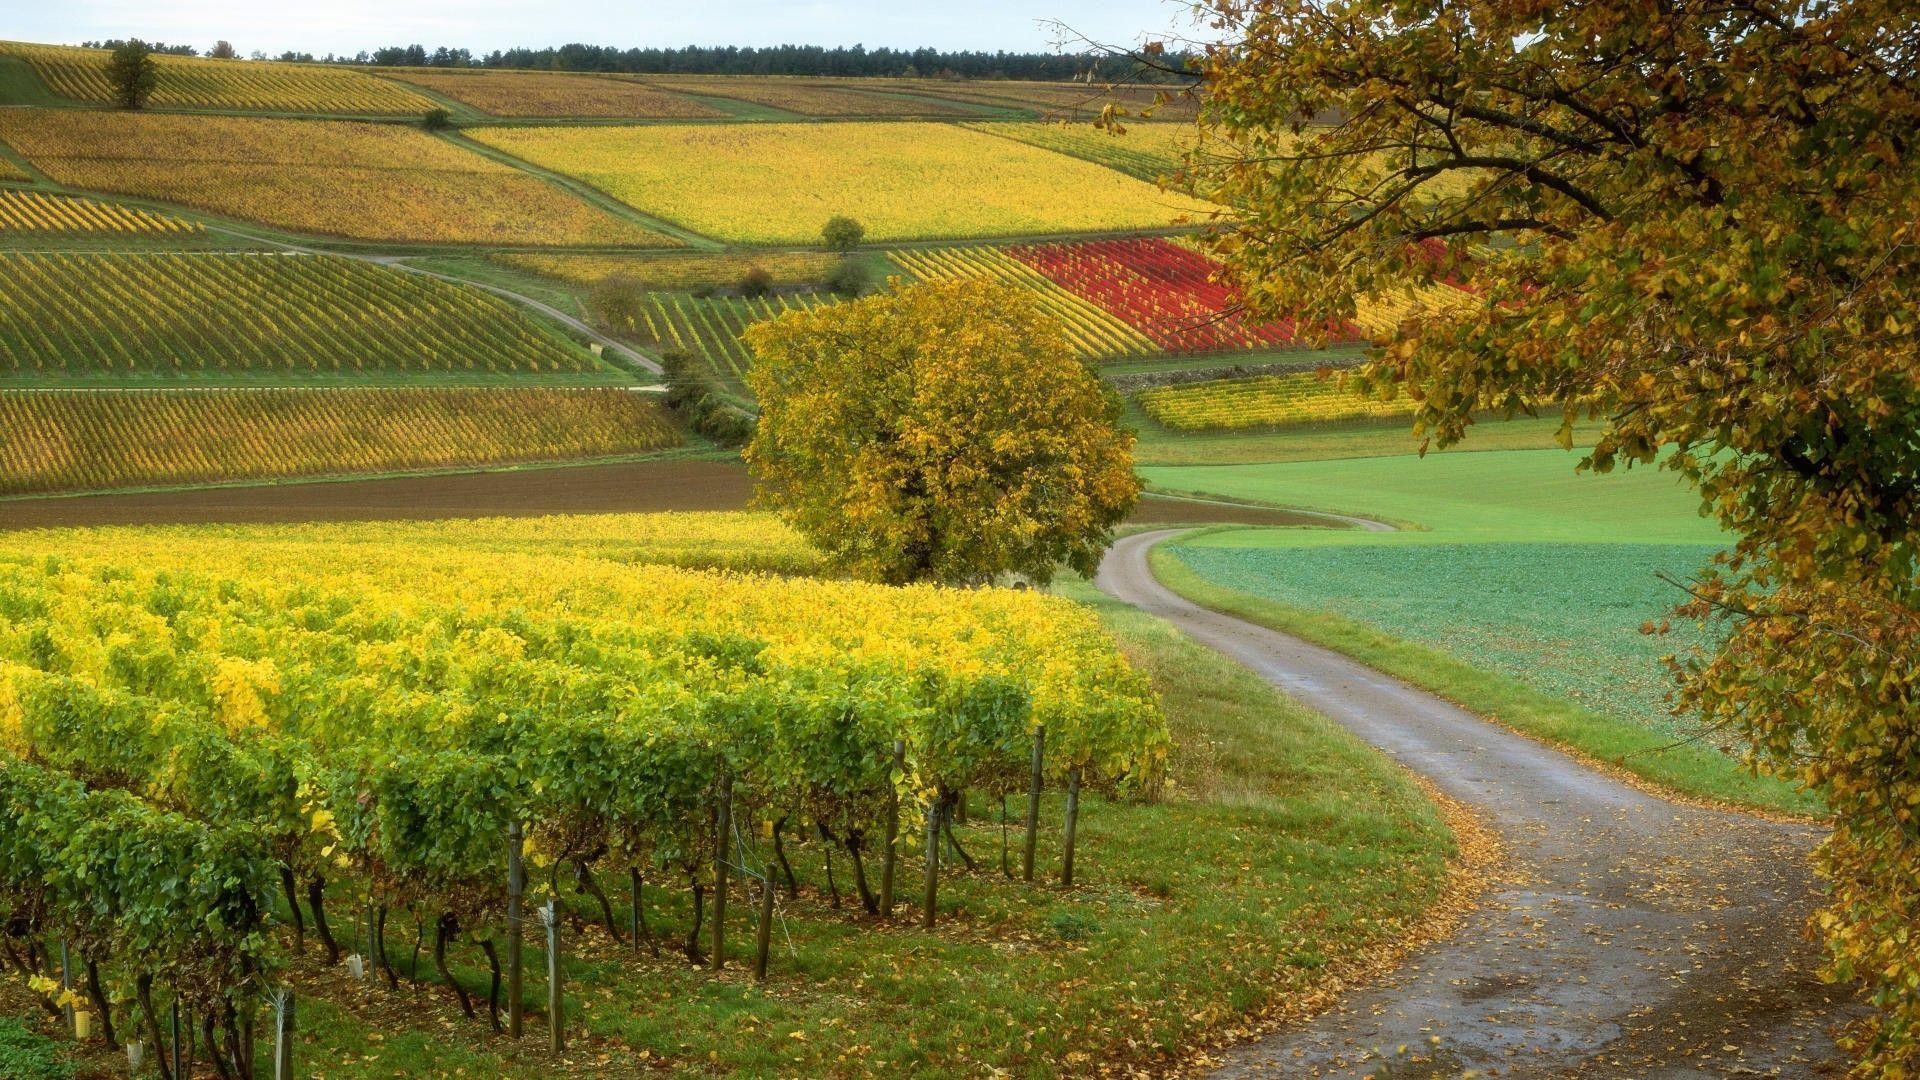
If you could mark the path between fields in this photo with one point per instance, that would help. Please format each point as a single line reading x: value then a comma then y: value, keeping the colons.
x: 1625, y: 936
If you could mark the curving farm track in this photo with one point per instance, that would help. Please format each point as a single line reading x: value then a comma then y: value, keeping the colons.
x: 1627, y: 936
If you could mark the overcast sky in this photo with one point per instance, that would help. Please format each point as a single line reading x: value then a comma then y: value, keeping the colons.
x: 348, y: 26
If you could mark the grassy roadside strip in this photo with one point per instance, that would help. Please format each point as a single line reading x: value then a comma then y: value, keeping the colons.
x: 1651, y: 760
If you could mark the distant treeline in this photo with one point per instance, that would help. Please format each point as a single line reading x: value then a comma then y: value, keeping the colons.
x: 779, y: 60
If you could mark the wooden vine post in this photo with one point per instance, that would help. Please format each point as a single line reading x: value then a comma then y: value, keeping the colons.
x: 763, y: 938
x: 1033, y: 800
x: 516, y: 900
x: 892, y: 853
x: 556, y: 1013
x: 66, y: 988
x: 283, y: 1034
x: 933, y: 863
x: 719, y: 958
x: 1073, y: 823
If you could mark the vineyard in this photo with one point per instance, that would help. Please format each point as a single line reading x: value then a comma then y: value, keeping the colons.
x: 1263, y: 401
x: 374, y: 727
x: 553, y: 94
x: 681, y: 272
x: 98, y: 440
x: 1094, y: 333
x: 805, y: 96
x: 185, y: 314
x: 340, y: 178
x: 37, y: 213
x: 779, y: 183
x: 710, y: 328
x: 1148, y: 152
x: 187, y: 82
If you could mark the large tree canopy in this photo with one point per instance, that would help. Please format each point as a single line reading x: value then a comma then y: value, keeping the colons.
x: 1699, y: 220
x: 945, y: 432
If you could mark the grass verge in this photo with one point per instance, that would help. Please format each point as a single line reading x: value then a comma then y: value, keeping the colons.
x: 1690, y: 769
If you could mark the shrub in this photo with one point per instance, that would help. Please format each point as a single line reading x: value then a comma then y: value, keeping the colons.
x: 842, y: 233
x: 25, y: 1055
x: 437, y: 120
x: 133, y: 73
x: 701, y: 402
x: 616, y: 302
x: 756, y: 282
x: 848, y: 278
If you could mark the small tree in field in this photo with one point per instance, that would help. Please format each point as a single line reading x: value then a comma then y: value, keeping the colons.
x: 223, y: 50
x: 616, y: 302
x: 944, y: 432
x: 756, y: 282
x: 132, y: 72
x: 842, y: 233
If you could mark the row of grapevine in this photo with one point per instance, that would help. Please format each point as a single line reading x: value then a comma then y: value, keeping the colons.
x: 1263, y: 401
x: 94, y: 440
x: 81, y: 74
x: 677, y: 271
x: 710, y: 327
x: 387, y: 718
x: 36, y: 212
x: 1094, y: 333
x: 193, y: 312
x: 1167, y: 291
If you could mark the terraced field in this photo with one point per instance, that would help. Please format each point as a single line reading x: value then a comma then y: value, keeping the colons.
x: 255, y: 85
x: 1264, y: 401
x: 187, y: 315
x: 349, y: 179
x: 533, y: 94
x: 806, y: 96
x: 710, y: 328
x: 690, y: 271
x: 779, y: 183
x: 37, y: 213
x: 94, y: 440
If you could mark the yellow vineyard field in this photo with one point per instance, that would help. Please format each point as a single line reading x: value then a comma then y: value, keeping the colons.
x: 553, y: 94
x: 688, y: 271
x: 1263, y: 401
x: 36, y: 212
x: 1145, y: 151
x: 189, y: 82
x: 779, y: 183
x: 340, y: 178
x: 1095, y: 334
x: 61, y: 441
x: 807, y: 96
x: 1382, y: 316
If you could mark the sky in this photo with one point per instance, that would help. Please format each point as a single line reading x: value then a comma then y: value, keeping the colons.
x: 348, y: 26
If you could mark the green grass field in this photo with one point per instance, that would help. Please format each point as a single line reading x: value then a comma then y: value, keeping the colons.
x: 1517, y: 586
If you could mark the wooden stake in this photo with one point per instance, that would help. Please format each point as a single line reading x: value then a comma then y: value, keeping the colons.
x: 933, y: 864
x: 1033, y: 801
x: 556, y: 1010
x: 719, y: 958
x: 516, y: 899
x: 283, y: 1034
x: 763, y: 941
x: 893, y: 829
x: 1073, y: 822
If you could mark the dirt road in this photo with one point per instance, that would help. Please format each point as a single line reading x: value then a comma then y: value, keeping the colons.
x: 1628, y: 936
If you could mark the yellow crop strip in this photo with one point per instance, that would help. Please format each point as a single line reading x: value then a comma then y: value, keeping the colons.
x: 779, y: 183
x: 1263, y: 401
x: 807, y: 96
x: 257, y: 85
x: 1095, y: 334
x: 553, y: 93
x: 342, y: 178
x: 61, y: 441
x: 39, y: 212
x: 690, y: 271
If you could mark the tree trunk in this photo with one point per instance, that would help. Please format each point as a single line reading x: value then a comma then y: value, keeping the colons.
x: 584, y: 882
x: 447, y: 927
x: 493, y: 988
x: 780, y: 853
x: 293, y: 904
x: 317, y: 900
x: 699, y: 913
x: 98, y: 995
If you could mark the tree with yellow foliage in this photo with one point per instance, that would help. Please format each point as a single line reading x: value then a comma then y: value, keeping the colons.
x: 1702, y: 222
x: 943, y: 432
